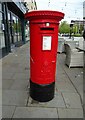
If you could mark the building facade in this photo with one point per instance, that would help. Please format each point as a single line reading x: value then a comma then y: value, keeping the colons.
x: 31, y: 5
x: 84, y: 13
x: 2, y: 38
x: 84, y: 10
x: 12, y: 25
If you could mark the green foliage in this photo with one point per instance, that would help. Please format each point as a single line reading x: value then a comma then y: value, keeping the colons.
x: 14, y: 27
x: 64, y: 27
x: 77, y: 35
x: 77, y: 29
x: 17, y: 27
x: 81, y: 28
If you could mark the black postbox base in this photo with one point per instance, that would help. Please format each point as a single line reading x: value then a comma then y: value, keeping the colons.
x: 42, y: 93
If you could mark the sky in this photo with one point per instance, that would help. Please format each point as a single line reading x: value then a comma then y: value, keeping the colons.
x: 73, y: 9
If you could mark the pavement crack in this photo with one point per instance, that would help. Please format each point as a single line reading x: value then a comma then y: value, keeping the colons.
x: 63, y: 100
x: 57, y: 113
x: 13, y: 113
x: 27, y: 101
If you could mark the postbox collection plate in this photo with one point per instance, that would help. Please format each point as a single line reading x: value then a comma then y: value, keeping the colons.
x: 47, y: 41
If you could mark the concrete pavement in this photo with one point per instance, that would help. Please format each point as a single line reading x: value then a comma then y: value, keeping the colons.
x: 15, y: 84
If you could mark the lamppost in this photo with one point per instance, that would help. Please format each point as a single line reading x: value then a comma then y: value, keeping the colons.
x: 71, y: 29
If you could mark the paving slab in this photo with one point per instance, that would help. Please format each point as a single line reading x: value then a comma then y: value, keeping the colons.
x: 62, y: 77
x: 8, y: 111
x: 7, y: 83
x: 12, y: 58
x: 75, y: 75
x: 20, y: 85
x: 70, y: 113
x: 7, y: 75
x: 59, y: 69
x: 57, y: 101
x: 23, y: 70
x: 72, y: 100
x: 65, y: 87
x: 11, y: 64
x: 14, y: 97
x: 19, y: 76
x: 35, y: 112
x: 8, y: 69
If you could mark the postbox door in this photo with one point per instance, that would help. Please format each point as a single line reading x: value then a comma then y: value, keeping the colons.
x: 43, y: 55
x: 48, y: 57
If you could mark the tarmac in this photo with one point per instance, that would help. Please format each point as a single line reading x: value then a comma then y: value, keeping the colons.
x: 16, y: 101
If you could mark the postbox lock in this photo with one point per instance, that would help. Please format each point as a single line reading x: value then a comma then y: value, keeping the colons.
x: 47, y: 24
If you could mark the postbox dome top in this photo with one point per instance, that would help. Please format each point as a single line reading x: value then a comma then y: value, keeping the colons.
x: 44, y: 14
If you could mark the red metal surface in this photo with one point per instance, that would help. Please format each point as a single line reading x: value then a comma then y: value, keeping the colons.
x: 43, y: 62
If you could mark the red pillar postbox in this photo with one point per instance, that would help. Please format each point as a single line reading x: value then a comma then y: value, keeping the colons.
x: 43, y: 52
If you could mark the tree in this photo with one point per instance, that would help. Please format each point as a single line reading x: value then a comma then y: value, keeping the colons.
x: 64, y: 27
x: 77, y: 29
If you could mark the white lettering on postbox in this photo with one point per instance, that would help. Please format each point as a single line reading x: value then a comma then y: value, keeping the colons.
x: 46, y: 43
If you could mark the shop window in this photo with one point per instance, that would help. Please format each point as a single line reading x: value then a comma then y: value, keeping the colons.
x: 2, y: 40
x: 15, y: 28
x: 19, y: 30
x: 9, y: 23
x: 0, y: 7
